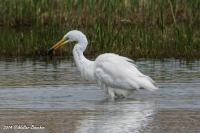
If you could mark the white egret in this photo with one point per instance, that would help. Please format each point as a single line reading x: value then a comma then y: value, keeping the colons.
x: 118, y: 76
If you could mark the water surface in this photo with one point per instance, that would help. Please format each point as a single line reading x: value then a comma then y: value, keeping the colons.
x: 52, y: 94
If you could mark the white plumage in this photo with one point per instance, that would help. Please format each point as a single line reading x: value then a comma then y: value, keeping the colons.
x: 116, y: 75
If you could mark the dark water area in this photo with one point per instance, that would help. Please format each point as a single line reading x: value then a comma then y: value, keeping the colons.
x: 53, y: 95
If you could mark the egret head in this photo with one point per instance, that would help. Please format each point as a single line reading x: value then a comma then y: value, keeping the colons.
x: 71, y: 36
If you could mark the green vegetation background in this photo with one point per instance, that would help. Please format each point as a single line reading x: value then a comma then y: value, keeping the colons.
x: 133, y: 28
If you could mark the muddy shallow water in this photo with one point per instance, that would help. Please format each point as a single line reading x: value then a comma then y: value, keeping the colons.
x: 51, y: 96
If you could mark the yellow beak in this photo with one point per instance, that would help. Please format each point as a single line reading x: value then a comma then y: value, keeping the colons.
x: 56, y: 46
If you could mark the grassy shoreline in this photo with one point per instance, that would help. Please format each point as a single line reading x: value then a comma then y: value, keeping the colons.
x: 137, y: 29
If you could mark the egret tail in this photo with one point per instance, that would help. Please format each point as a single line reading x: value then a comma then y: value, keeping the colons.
x: 147, y: 83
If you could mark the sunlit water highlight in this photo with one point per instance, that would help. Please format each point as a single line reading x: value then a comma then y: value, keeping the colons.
x: 56, y: 86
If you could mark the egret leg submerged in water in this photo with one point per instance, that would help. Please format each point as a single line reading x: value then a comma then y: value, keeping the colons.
x: 116, y: 75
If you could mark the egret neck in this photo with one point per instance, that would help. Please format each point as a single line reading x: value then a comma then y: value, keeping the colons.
x: 85, y: 66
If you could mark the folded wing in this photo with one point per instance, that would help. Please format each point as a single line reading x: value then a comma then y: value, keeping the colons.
x: 120, y: 72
